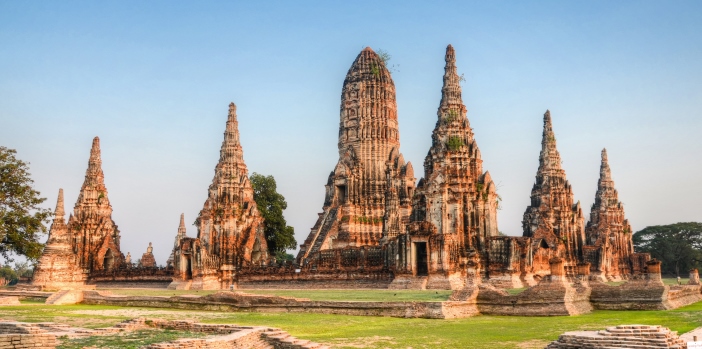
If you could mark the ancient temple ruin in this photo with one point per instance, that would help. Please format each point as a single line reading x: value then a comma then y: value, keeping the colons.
x: 368, y: 195
x: 444, y: 233
x: 454, y: 210
x: 608, y: 233
x: 89, y: 242
x: 553, y: 220
x: 94, y: 233
x: 230, y: 228
x: 58, y: 266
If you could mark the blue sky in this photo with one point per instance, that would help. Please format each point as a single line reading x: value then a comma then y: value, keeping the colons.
x: 153, y: 80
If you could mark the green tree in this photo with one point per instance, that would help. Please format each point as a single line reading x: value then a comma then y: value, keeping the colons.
x: 21, y: 218
x: 279, y: 235
x: 9, y: 274
x: 678, y: 246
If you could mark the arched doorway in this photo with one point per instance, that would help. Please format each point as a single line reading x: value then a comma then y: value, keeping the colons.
x: 188, y: 267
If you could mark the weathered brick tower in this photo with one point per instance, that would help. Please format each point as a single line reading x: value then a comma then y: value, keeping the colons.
x: 608, y: 231
x: 230, y: 228
x: 58, y: 266
x: 95, y: 237
x: 455, y: 208
x: 370, y: 167
x: 553, y: 220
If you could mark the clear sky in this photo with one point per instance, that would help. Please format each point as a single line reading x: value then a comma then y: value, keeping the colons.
x: 154, y: 79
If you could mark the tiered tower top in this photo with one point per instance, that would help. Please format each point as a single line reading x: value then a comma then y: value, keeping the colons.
x: 451, y: 99
x: 549, y: 158
x: 231, y: 170
x: 93, y: 193
x: 368, y: 107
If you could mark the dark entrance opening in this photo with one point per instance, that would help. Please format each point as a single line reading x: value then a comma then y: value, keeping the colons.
x: 108, y: 261
x: 422, y: 268
x: 341, y: 193
x: 188, y: 268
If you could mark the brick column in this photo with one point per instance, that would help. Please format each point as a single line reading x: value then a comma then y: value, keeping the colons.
x: 653, y: 270
x: 694, y: 277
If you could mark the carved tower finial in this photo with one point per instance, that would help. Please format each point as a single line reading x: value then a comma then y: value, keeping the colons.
x: 451, y: 106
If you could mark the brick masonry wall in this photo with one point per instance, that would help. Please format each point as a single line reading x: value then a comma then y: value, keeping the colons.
x: 229, y: 301
x: 632, y: 295
x: 545, y: 299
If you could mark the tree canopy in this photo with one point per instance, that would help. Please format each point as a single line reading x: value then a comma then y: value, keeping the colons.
x: 678, y: 246
x: 21, y: 218
x: 279, y: 235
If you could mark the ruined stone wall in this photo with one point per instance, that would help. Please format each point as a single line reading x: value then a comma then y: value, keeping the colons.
x: 228, y: 301
x: 642, y: 295
x: 317, y: 280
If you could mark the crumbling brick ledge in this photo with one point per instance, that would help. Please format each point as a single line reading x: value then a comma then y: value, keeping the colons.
x: 16, y: 335
x: 237, y: 301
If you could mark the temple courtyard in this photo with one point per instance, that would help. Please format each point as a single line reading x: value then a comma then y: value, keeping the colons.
x: 341, y: 331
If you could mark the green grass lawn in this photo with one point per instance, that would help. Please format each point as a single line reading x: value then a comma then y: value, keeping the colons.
x: 321, y: 295
x: 379, y: 332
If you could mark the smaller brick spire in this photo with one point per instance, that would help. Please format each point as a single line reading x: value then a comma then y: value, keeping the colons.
x: 59, y: 213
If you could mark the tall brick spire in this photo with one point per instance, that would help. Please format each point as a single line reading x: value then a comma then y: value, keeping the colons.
x: 96, y: 237
x: 553, y: 215
x: 608, y: 229
x: 229, y: 224
x: 455, y: 196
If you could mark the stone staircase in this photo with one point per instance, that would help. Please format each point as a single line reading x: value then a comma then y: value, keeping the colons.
x: 56, y: 296
x: 623, y: 336
x: 321, y: 235
x: 65, y: 297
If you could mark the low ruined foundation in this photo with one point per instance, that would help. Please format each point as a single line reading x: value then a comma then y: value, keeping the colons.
x: 20, y: 335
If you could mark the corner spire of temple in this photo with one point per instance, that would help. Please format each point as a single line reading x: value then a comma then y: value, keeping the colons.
x: 59, y: 213
x: 181, y: 227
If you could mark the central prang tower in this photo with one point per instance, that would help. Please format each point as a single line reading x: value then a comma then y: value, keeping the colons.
x: 370, y: 170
